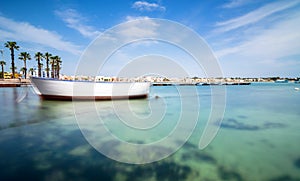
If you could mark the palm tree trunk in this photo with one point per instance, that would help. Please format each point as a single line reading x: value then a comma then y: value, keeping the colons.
x: 2, y: 75
x: 57, y: 71
x: 39, y: 68
x: 12, y: 54
x: 47, y: 65
x: 52, y: 72
x: 25, y: 69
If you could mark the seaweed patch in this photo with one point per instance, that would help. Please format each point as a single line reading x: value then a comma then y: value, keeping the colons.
x: 189, y: 145
x: 284, y: 178
x: 242, y: 116
x: 297, y: 163
x: 273, y: 125
x: 196, y: 155
x: 111, y: 146
x: 226, y: 174
x: 160, y: 171
x: 232, y: 123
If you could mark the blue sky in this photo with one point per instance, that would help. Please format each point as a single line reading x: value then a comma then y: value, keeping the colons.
x: 249, y: 38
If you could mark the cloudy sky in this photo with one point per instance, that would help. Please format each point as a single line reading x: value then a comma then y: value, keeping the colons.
x: 250, y: 38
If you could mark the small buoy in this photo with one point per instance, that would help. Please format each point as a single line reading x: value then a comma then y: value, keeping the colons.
x: 297, y: 88
x: 156, y: 97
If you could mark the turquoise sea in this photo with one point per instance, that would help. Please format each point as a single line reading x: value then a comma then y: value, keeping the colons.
x: 259, y: 138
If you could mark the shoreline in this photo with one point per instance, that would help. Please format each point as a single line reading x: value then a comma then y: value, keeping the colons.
x: 223, y: 82
x: 14, y: 82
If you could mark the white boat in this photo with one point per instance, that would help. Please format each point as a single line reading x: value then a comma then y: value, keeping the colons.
x: 281, y: 81
x: 53, y: 89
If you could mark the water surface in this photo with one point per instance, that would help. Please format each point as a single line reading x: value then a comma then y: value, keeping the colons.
x: 258, y: 139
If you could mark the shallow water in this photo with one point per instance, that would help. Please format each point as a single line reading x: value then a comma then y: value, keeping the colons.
x: 258, y: 139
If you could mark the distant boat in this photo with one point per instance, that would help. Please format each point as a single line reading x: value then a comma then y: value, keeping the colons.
x: 281, y: 81
x: 52, y: 89
x: 206, y: 83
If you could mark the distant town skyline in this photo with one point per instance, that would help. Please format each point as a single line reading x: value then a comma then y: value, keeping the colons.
x: 249, y: 38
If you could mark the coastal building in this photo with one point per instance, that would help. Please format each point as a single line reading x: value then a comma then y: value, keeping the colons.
x: 8, y: 75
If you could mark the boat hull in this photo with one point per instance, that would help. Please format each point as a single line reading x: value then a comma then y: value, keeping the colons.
x: 51, y: 89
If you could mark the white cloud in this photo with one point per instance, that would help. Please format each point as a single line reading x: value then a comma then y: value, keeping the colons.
x: 134, y: 27
x: 145, y: 6
x: 236, y: 3
x: 76, y: 21
x: 23, y: 31
x: 131, y: 18
x: 254, y: 16
x: 139, y: 27
x: 264, y: 42
x: 274, y: 45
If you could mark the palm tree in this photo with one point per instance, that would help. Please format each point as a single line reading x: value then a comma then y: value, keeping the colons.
x: 47, y: 57
x: 11, y: 45
x: 39, y: 57
x: 23, y: 69
x: 53, y: 66
x: 2, y: 63
x: 31, y: 70
x: 13, y: 70
x: 24, y: 56
x: 58, y: 66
